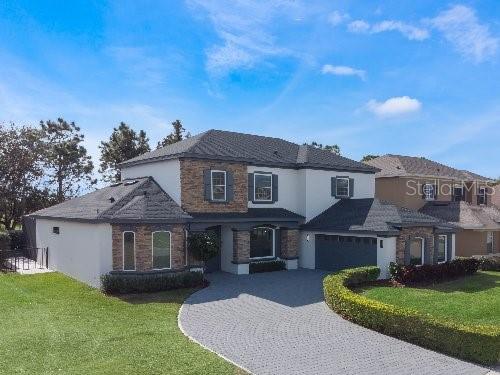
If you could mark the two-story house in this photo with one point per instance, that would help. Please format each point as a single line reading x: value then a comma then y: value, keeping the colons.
x: 267, y: 198
x: 459, y: 197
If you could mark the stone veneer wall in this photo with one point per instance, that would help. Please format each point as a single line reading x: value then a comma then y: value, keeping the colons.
x: 144, y: 245
x: 241, y: 246
x: 408, y: 233
x: 192, y: 187
x: 289, y: 243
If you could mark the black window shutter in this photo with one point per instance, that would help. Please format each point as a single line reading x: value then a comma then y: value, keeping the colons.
x: 427, y: 251
x: 436, y: 248
x: 250, y: 187
x: 207, y: 184
x: 275, y: 188
x: 407, y: 251
x: 435, y: 191
x: 486, y: 190
x: 277, y: 243
x: 449, y: 246
x: 334, y: 186
x: 229, y: 186
x: 423, y: 191
x: 351, y: 187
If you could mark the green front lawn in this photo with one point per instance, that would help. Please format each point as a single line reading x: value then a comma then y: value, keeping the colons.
x: 470, y: 300
x: 50, y: 323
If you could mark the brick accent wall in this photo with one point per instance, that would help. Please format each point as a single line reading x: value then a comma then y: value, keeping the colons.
x: 289, y: 243
x: 192, y: 188
x: 144, y: 245
x: 241, y: 246
x: 408, y: 233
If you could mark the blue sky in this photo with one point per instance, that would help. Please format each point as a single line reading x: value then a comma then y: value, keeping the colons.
x: 409, y: 77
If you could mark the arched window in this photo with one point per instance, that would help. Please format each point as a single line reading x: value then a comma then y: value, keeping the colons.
x: 128, y: 251
x: 161, y: 250
x: 417, y: 251
x: 262, y: 243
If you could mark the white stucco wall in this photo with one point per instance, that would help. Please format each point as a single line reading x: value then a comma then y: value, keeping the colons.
x: 167, y: 174
x: 386, y: 255
x: 308, y: 191
x: 80, y: 250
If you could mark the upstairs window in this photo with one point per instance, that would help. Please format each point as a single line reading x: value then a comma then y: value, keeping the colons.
x: 218, y: 182
x: 429, y: 192
x: 263, y: 187
x: 441, y: 250
x: 342, y: 187
x: 458, y: 193
x: 481, y: 196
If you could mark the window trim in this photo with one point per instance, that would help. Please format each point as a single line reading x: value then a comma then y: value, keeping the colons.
x: 422, y: 250
x: 123, y: 251
x: 273, y: 240
x: 433, y: 198
x: 212, y: 186
x: 337, y: 195
x: 445, y: 247
x: 153, y: 249
x: 255, y: 174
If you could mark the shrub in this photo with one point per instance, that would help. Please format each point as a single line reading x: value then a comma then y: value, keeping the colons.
x: 427, y: 273
x: 490, y: 263
x: 17, y: 239
x: 120, y: 283
x: 267, y: 266
x: 203, y: 245
x: 477, y: 343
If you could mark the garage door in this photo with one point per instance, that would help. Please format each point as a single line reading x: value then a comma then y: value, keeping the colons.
x: 335, y: 253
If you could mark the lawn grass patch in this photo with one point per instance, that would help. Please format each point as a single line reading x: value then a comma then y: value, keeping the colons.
x: 50, y: 323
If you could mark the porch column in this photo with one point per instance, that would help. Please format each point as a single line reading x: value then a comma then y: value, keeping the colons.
x: 290, y: 247
x: 241, y: 246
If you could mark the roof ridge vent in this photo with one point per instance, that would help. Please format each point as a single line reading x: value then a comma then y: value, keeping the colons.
x: 128, y: 183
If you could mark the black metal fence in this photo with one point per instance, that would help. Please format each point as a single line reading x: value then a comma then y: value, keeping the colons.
x: 24, y: 259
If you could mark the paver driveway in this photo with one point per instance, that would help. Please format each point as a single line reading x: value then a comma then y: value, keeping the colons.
x: 277, y: 323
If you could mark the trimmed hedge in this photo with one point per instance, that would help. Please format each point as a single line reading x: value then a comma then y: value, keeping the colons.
x: 490, y: 263
x: 478, y: 343
x: 428, y: 273
x: 266, y: 266
x: 120, y: 283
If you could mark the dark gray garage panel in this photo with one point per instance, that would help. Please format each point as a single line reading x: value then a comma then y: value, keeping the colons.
x: 335, y: 253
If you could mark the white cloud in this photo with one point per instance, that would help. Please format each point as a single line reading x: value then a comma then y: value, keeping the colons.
x: 409, y: 31
x: 336, y: 18
x: 340, y: 70
x: 461, y: 27
x: 394, y: 106
x: 358, y: 26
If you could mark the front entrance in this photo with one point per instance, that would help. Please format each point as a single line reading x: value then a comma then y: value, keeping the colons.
x: 334, y: 253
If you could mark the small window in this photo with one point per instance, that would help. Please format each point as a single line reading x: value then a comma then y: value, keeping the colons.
x: 458, y: 193
x: 442, y: 248
x: 417, y: 251
x: 55, y: 230
x: 128, y: 251
x: 161, y: 250
x: 481, y: 197
x: 342, y: 187
x: 489, y: 242
x: 428, y: 190
x: 381, y: 244
x: 218, y: 179
x: 263, y: 187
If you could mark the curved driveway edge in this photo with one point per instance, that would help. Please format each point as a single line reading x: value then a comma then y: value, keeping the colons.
x: 277, y: 323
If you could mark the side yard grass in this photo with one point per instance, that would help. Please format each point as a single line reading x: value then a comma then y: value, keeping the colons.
x: 50, y: 323
x: 470, y: 300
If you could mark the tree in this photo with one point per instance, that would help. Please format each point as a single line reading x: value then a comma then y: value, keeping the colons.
x: 203, y: 245
x: 176, y: 135
x: 369, y: 157
x: 22, y: 155
x: 332, y: 148
x: 123, y: 144
x: 67, y: 164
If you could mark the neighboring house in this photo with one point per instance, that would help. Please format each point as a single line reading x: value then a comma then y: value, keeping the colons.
x: 459, y: 197
x: 267, y: 198
x: 495, y: 199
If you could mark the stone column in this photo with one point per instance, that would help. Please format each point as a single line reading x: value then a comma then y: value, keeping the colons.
x: 289, y: 243
x: 241, y: 246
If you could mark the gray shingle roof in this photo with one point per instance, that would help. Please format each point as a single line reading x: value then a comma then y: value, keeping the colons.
x: 253, y: 149
x: 400, y: 166
x: 369, y: 215
x: 464, y: 214
x: 133, y: 200
x: 252, y: 214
